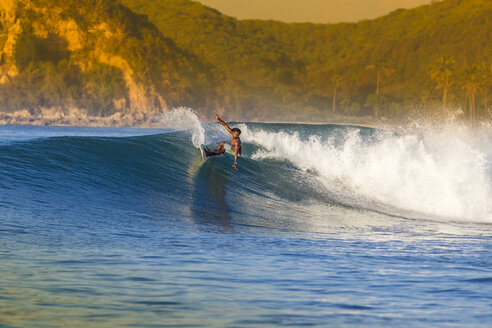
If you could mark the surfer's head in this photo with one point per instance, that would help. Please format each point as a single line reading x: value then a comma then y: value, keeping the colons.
x: 235, y: 132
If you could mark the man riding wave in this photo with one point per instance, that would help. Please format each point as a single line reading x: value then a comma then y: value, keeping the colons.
x: 234, y: 146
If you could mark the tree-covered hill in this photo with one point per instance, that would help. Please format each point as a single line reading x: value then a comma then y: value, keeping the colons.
x: 96, y: 55
x: 107, y: 56
x: 273, y: 64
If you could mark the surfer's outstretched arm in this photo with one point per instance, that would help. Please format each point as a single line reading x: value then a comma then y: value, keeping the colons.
x: 223, y: 123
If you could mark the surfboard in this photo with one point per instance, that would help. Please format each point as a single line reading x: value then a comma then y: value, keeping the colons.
x: 202, y: 151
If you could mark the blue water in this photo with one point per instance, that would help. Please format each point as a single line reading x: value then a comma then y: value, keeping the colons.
x: 130, y: 227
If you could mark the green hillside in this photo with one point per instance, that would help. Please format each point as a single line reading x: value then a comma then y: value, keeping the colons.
x: 107, y: 56
x: 95, y: 55
x: 272, y: 64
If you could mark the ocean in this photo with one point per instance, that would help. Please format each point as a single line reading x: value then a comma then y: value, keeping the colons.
x: 322, y: 225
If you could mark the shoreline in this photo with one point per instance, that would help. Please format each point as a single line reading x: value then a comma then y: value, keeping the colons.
x: 80, y: 118
x: 363, y: 125
x: 155, y: 123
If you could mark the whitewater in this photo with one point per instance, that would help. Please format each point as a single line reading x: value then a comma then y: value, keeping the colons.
x: 435, y: 172
x: 322, y: 225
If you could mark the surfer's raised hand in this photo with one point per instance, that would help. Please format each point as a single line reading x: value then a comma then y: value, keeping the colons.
x: 223, y: 123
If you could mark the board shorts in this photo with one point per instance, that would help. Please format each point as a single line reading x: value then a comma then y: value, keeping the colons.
x: 228, y: 150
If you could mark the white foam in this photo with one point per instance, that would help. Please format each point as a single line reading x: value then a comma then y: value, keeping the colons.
x: 185, y: 119
x: 443, y: 172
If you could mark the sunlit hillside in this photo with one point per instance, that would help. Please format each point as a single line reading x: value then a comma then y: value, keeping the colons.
x: 95, y: 55
x: 133, y: 56
x: 274, y: 65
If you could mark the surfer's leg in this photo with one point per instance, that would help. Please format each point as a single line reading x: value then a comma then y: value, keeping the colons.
x: 220, y: 148
x: 218, y: 151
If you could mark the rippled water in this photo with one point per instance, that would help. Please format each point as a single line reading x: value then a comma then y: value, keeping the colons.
x: 133, y: 230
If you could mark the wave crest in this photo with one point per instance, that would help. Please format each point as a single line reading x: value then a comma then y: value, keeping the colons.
x: 440, y: 172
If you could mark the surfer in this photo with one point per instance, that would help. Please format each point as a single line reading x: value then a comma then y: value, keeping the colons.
x: 223, y: 147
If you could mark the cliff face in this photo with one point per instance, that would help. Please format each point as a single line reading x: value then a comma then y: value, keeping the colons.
x: 103, y: 58
x: 10, y: 27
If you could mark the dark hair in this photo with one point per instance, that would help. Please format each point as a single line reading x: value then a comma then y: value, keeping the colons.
x: 236, y: 130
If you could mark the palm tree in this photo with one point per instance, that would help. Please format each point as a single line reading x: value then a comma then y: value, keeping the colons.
x: 486, y: 74
x: 337, y: 80
x: 442, y: 72
x: 472, y: 83
x: 381, y: 68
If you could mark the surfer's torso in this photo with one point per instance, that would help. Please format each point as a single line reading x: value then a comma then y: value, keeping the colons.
x: 236, y: 144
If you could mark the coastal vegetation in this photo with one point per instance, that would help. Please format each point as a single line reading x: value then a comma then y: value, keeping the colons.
x: 95, y: 55
x: 126, y: 56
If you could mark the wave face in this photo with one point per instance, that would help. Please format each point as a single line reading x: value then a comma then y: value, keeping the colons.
x: 425, y: 173
x: 438, y: 172
x: 321, y: 223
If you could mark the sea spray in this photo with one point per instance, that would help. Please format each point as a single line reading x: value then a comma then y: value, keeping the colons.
x: 442, y: 172
x: 185, y: 119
